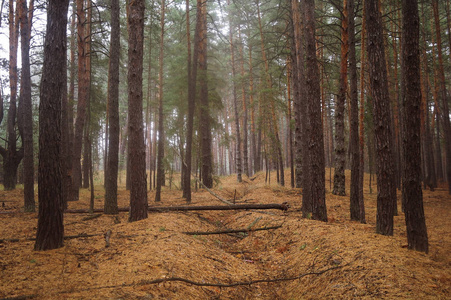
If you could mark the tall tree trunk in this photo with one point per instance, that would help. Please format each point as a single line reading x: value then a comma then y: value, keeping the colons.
x: 83, y: 86
x: 26, y: 108
x: 362, y: 217
x: 340, y: 151
x: 315, y: 138
x: 235, y: 100
x: 411, y: 184
x: 386, y: 186
x: 136, y: 147
x: 192, y: 72
x: 86, y: 144
x: 204, y: 120
x: 443, y: 95
x: 50, y: 231
x: 160, y: 166
x: 12, y: 156
x: 254, y: 155
x: 110, y: 205
x: 290, y: 128
x: 245, y: 113
x: 354, y: 125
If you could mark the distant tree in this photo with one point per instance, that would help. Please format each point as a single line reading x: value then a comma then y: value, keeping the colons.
x: 110, y: 206
x: 411, y: 180
x: 136, y: 147
x: 386, y: 185
x: 11, y: 155
x: 50, y: 231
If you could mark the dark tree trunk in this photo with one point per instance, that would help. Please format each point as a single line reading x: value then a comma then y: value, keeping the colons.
x: 386, y: 185
x: 160, y: 166
x: 110, y: 205
x: 136, y: 147
x: 354, y: 125
x: 25, y: 106
x: 192, y: 79
x: 204, y: 120
x: 12, y: 156
x: 235, y: 103
x: 315, y: 138
x: 50, y: 231
x: 83, y: 86
x: 444, y: 96
x: 411, y: 184
x: 340, y: 150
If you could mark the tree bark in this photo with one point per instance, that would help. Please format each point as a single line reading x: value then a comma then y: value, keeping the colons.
x: 160, y: 166
x: 386, y: 186
x: 50, y: 229
x: 340, y: 151
x: 137, y: 150
x: 204, y: 120
x: 411, y: 184
x: 315, y: 138
x: 26, y: 108
x: 110, y: 205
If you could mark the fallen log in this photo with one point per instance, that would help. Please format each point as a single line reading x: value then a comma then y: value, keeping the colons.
x: 226, y: 231
x: 283, y: 206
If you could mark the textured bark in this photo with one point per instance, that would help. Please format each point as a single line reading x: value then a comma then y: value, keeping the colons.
x: 245, y: 112
x: 354, y: 125
x: 83, y: 86
x: 386, y: 186
x: 192, y: 78
x: 160, y: 166
x: 443, y: 95
x: 110, y: 205
x: 315, y: 138
x: 204, y: 119
x: 298, y: 92
x: 50, y: 230
x: 137, y: 150
x: 361, y: 119
x: 12, y: 156
x: 235, y: 103
x: 411, y: 184
x: 340, y: 151
x: 25, y: 107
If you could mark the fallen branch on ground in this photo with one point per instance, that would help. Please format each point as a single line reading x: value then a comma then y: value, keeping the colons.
x: 283, y: 206
x: 208, y: 284
x: 229, y: 231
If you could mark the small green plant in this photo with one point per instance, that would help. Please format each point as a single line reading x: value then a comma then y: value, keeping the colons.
x: 303, y: 246
x: 162, y: 229
x: 33, y: 261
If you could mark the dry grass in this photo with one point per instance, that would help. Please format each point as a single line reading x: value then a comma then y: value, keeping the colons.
x: 371, y: 266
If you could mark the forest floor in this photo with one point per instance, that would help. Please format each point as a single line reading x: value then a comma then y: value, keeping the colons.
x: 154, y: 259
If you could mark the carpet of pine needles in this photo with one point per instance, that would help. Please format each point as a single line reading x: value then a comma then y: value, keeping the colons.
x: 340, y: 259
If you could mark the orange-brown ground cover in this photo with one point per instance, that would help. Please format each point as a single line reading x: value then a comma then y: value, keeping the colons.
x: 367, y: 265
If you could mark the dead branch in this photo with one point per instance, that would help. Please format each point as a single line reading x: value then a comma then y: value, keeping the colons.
x: 229, y: 231
x: 91, y: 217
x: 208, y: 284
x: 20, y: 297
x: 283, y: 206
x: 107, y: 236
